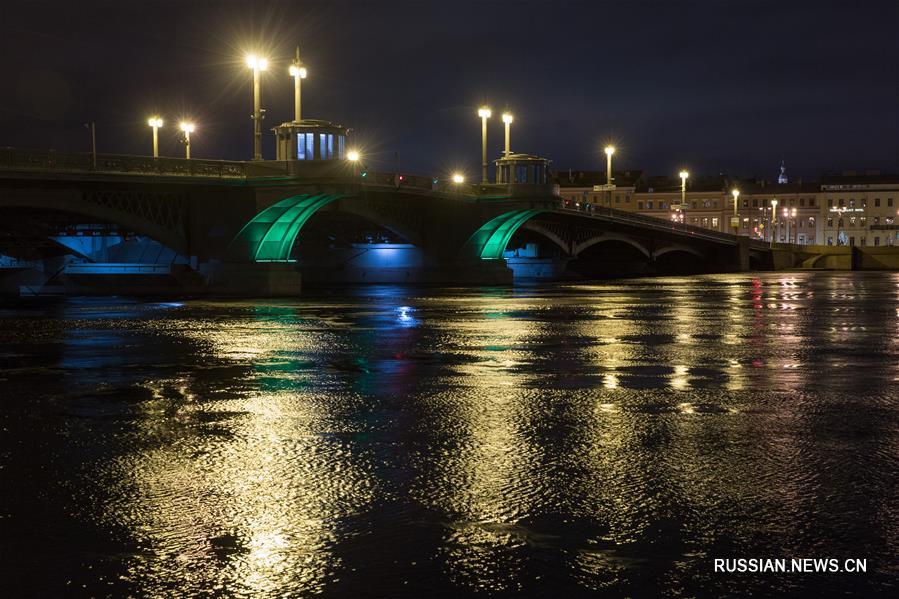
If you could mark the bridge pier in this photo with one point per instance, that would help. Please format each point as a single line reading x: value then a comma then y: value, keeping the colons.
x: 493, y: 272
x: 742, y: 254
x: 256, y: 279
x: 528, y: 268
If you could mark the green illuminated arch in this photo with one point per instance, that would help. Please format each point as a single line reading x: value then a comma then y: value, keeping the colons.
x: 489, y: 242
x: 271, y: 234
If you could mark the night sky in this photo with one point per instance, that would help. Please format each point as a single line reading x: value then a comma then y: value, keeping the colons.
x: 711, y: 85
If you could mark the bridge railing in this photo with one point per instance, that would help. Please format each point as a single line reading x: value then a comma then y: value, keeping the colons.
x: 656, y: 223
x: 52, y: 161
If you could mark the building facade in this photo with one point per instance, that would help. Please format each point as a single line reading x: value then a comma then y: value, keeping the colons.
x: 844, y: 209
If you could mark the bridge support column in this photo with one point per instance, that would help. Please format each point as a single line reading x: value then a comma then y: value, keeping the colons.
x: 742, y: 253
x: 537, y: 268
x: 474, y: 272
x: 254, y: 279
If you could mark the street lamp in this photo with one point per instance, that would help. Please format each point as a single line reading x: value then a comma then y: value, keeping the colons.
x: 484, y: 113
x: 795, y: 226
x: 609, y: 150
x: 353, y: 156
x: 298, y: 72
x: 258, y: 65
x: 683, y: 186
x: 156, y: 123
x: 458, y: 178
x: 507, y: 120
x: 188, y: 128
x: 735, y: 221
x: 773, y: 220
x: 683, y: 192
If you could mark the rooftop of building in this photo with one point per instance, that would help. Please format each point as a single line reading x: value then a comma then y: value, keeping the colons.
x: 664, y: 183
x: 312, y: 124
x: 580, y: 178
x: 763, y: 186
x: 869, y: 177
x: 522, y: 158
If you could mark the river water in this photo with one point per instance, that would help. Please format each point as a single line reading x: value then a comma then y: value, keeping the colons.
x: 606, y: 439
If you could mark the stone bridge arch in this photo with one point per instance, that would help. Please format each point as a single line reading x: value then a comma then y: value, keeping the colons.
x: 549, y: 234
x: 161, y: 216
x: 677, y: 247
x: 489, y: 241
x: 270, y: 235
x: 584, y: 245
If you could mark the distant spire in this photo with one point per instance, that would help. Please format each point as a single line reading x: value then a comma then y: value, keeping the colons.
x: 782, y: 177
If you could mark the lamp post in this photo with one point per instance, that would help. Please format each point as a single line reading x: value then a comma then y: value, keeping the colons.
x: 786, y: 214
x: 683, y: 193
x: 188, y: 128
x: 353, y: 156
x: 773, y: 220
x: 258, y: 65
x: 507, y: 121
x: 735, y: 220
x: 795, y: 226
x: 484, y: 113
x: 156, y: 123
x: 609, y: 150
x: 298, y: 72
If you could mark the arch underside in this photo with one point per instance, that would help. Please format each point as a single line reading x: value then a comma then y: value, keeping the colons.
x: 77, y: 212
x: 612, y: 237
x: 270, y: 235
x: 490, y: 240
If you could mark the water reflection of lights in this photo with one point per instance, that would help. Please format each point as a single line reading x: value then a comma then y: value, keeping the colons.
x: 244, y: 493
x: 405, y: 316
x: 679, y: 379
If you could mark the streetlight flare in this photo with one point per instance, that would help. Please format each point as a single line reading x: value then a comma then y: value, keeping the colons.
x: 187, y: 127
x: 352, y: 156
x: 484, y: 112
x: 458, y: 178
x: 296, y: 71
x: 507, y: 117
x: 155, y: 121
x: 257, y: 62
x: 684, y: 174
x: 609, y: 150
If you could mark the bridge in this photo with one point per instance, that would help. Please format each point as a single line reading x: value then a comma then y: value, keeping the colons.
x: 137, y: 224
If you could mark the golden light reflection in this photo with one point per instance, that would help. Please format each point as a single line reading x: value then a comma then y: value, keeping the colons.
x: 488, y: 483
x: 679, y: 379
x: 246, y: 493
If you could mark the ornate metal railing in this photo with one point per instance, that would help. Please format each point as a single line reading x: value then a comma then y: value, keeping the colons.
x: 658, y: 224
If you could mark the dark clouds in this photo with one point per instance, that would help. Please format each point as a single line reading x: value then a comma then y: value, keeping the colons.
x: 716, y: 85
